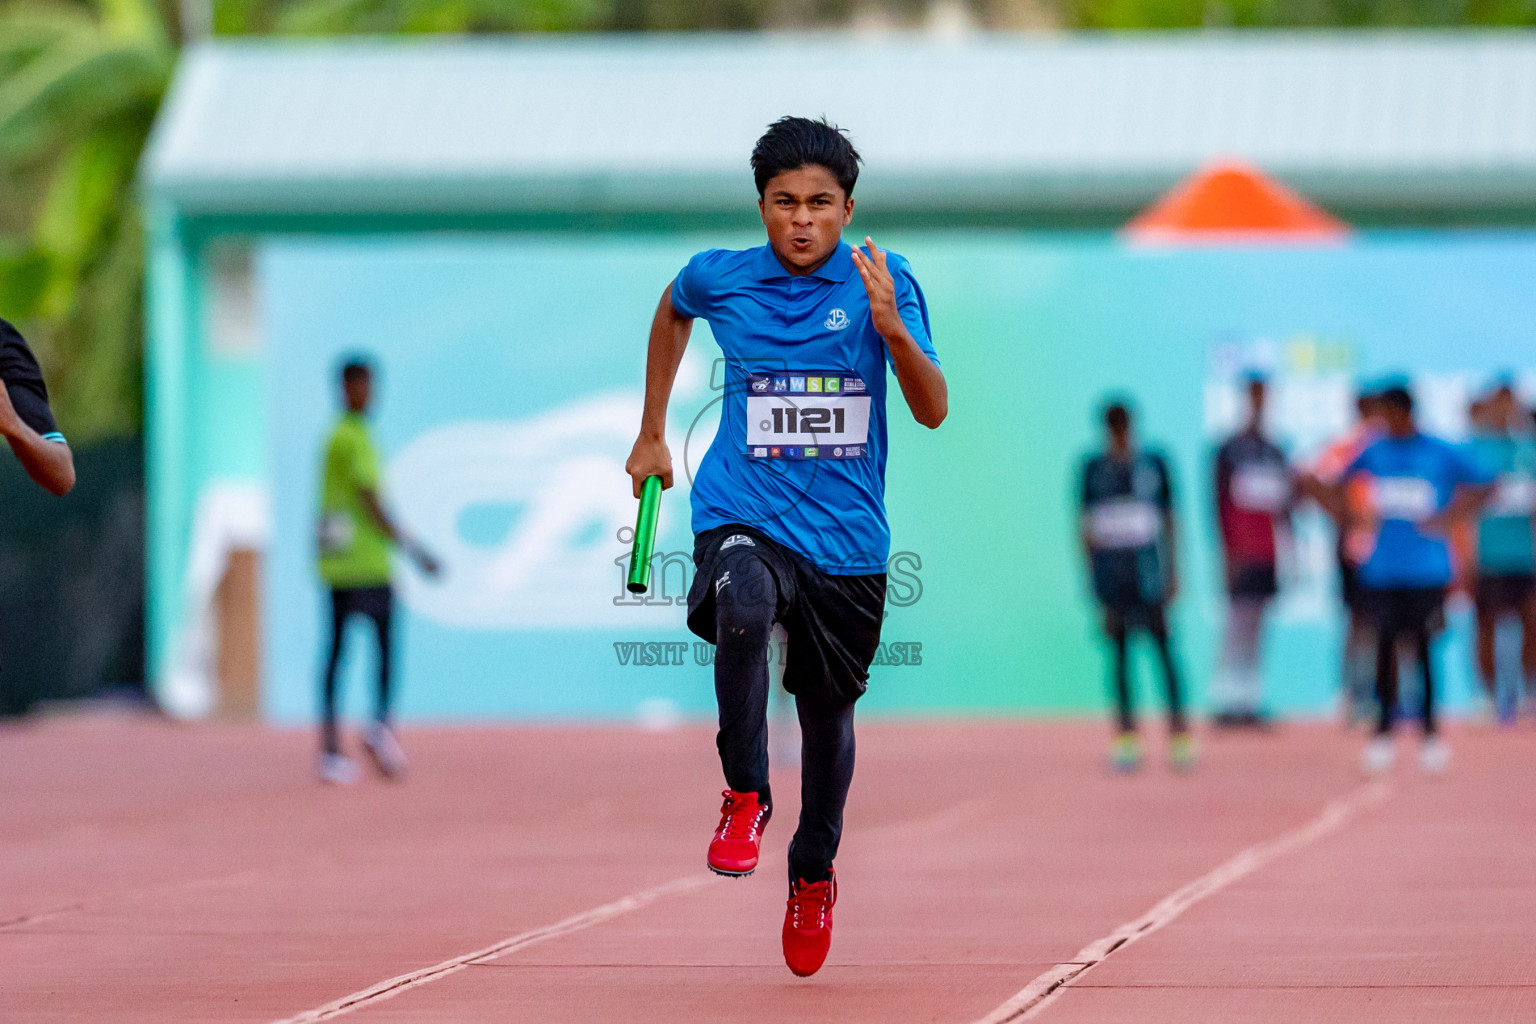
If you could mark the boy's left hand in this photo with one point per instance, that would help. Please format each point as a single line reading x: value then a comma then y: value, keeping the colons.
x: 881, y: 287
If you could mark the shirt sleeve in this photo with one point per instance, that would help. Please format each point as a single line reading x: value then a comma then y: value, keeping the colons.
x: 1359, y: 464
x: 1165, y: 496
x: 1468, y: 469
x: 24, y: 384
x: 912, y: 306
x: 1223, y: 473
x: 692, y: 286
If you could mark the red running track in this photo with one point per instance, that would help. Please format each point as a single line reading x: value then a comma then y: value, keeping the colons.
x: 151, y: 872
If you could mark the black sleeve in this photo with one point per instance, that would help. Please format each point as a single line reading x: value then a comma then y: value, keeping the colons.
x: 1085, y: 484
x: 1162, y: 470
x: 24, y: 383
x: 1223, y: 473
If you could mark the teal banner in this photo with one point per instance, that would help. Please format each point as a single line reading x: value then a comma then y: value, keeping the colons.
x: 511, y: 388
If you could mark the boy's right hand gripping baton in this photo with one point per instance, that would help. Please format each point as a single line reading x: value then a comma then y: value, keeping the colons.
x: 645, y: 536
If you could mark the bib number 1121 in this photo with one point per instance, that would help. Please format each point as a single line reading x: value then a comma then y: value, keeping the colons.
x: 807, y: 416
x: 808, y: 421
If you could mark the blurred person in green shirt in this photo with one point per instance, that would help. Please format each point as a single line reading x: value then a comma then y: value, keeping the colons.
x: 356, y: 536
x: 1506, y: 555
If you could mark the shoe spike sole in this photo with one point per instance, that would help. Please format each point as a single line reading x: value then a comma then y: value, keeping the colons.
x: 730, y: 874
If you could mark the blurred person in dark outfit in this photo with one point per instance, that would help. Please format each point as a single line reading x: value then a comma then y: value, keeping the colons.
x: 1130, y: 541
x: 1255, y: 490
x: 26, y: 422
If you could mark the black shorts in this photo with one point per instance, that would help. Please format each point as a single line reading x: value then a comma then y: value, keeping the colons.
x: 1120, y: 619
x: 833, y: 622
x: 1497, y: 595
x: 1252, y: 580
x: 1399, y: 608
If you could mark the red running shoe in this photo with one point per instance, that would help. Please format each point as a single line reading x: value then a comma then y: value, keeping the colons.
x: 808, y: 925
x: 737, y: 841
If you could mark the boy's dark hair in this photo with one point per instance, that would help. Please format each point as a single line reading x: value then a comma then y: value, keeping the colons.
x: 1397, y: 397
x: 1117, y: 416
x: 355, y: 368
x: 792, y: 142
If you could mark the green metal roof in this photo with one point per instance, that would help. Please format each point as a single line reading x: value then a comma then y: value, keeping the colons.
x: 665, y: 123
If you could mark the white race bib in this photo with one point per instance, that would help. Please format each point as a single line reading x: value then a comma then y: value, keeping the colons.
x: 1124, y: 523
x: 1408, y: 498
x: 798, y: 415
x: 1260, y: 487
x: 337, y: 532
x: 1513, y: 495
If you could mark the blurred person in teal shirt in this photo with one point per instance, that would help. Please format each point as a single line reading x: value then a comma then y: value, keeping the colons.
x: 1505, y: 582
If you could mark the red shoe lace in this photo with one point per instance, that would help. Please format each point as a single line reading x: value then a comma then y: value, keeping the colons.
x: 809, y: 905
x: 736, y: 824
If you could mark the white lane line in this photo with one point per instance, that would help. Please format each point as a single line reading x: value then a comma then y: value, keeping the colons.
x: 942, y: 819
x: 597, y: 915
x: 1043, y: 990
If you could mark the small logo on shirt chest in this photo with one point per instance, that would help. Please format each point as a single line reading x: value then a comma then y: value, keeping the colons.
x: 836, y: 320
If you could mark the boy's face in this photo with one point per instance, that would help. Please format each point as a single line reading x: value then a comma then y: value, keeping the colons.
x: 1257, y: 393
x: 805, y: 211
x: 1503, y: 408
x: 359, y: 392
x: 1399, y: 420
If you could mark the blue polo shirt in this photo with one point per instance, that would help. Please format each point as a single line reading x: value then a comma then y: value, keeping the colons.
x: 800, y: 451
x: 1412, y: 479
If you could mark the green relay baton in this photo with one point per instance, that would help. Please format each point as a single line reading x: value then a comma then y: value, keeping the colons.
x: 645, y: 536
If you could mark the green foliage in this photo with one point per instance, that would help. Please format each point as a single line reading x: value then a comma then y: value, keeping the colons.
x: 335, y: 17
x: 1172, y: 14
x: 79, y: 86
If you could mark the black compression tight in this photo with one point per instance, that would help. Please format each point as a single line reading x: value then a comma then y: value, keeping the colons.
x: 745, y: 608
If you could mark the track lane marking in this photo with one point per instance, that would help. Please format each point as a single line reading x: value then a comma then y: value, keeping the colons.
x: 1043, y: 990
x: 942, y: 819
x: 392, y: 987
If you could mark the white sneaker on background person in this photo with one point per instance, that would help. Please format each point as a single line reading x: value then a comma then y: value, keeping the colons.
x: 385, y: 751
x: 1434, y: 755
x: 1378, y: 755
x: 337, y: 769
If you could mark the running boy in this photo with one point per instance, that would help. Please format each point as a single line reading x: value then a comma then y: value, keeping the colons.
x: 1254, y: 493
x: 789, y: 501
x: 355, y: 537
x: 1130, y: 539
x: 1420, y: 486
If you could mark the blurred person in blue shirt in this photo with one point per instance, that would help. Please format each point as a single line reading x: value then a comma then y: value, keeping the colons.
x: 1419, y: 487
x: 1505, y: 568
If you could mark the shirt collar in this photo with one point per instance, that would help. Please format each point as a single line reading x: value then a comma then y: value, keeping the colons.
x: 839, y: 267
